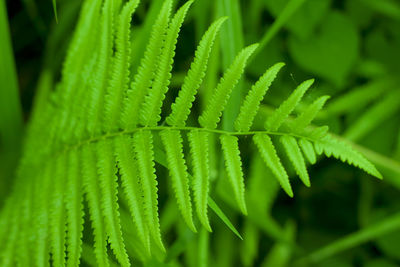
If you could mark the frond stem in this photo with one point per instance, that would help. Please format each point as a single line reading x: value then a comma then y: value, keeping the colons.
x: 179, y: 128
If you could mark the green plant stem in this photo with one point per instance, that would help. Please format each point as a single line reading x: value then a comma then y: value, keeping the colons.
x: 184, y: 129
x: 385, y: 226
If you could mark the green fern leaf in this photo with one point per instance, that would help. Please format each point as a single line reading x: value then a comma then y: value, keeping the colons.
x: 233, y: 163
x: 251, y: 104
x: 296, y: 157
x: 270, y: 157
x: 217, y: 102
x: 147, y: 69
x: 42, y: 190
x: 80, y: 47
x: 131, y: 185
x: 74, y: 210
x: 278, y: 117
x: 341, y: 150
x: 315, y: 133
x: 183, y: 103
x: 308, y: 150
x: 120, y: 71
x: 103, y: 65
x: 109, y: 205
x: 7, y: 253
x: 151, y: 109
x: 308, y: 114
x: 93, y: 197
x: 5, y: 215
x: 57, y: 213
x: 143, y: 146
x: 23, y: 253
x: 199, y: 143
x: 172, y: 141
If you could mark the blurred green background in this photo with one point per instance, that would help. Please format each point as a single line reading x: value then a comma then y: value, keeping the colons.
x: 351, y: 47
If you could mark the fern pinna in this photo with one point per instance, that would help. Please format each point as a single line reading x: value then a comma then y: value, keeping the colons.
x: 90, y: 151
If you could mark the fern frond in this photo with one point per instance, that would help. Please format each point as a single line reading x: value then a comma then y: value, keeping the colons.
x: 277, y: 118
x: 109, y: 202
x: 308, y: 114
x: 172, y: 141
x: 217, y: 102
x: 57, y: 213
x: 74, y: 210
x: 193, y: 79
x: 93, y: 197
x: 120, y: 70
x: 251, y: 104
x: 131, y: 185
x: 151, y: 109
x: 143, y: 147
x: 308, y: 150
x: 270, y: 157
x: 296, y: 157
x: 233, y: 163
x: 147, y: 69
x: 341, y: 150
x: 99, y: 125
x: 199, y: 143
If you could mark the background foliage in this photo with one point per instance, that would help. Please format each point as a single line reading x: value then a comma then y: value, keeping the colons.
x: 352, y: 49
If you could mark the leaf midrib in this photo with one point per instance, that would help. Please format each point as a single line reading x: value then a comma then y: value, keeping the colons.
x: 68, y: 147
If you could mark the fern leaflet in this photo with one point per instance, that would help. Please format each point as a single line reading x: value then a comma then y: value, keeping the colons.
x: 57, y: 214
x: 276, y: 119
x: 194, y: 77
x: 176, y: 163
x: 143, y: 146
x: 308, y: 150
x: 131, y: 185
x: 74, y: 212
x: 249, y: 108
x: 233, y: 164
x: 120, y: 71
x: 93, y: 196
x: 108, y: 185
x: 270, y: 157
x: 199, y: 143
x: 294, y: 153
